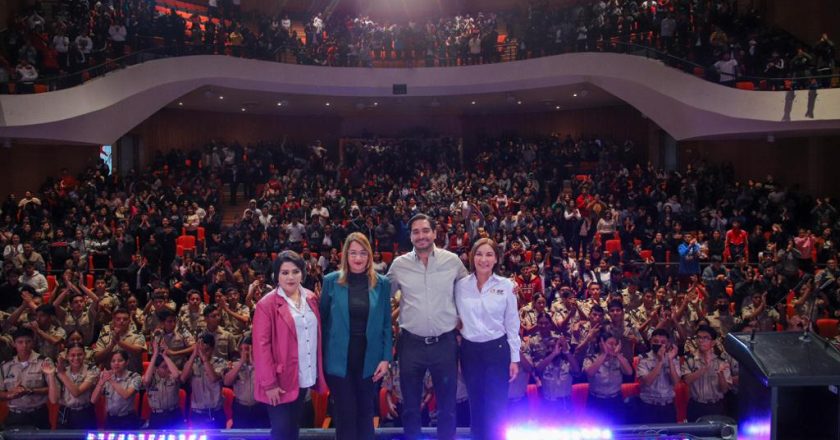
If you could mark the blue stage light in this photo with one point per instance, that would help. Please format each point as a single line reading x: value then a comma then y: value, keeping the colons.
x: 556, y: 433
x: 134, y: 435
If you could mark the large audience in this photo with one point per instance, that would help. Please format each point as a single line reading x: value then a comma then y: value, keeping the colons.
x: 671, y: 261
x: 727, y: 43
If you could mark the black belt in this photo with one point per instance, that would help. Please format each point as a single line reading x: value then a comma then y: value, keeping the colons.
x: 428, y: 340
x: 161, y: 411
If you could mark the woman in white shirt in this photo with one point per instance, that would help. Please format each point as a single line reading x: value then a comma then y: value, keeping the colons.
x: 490, y: 347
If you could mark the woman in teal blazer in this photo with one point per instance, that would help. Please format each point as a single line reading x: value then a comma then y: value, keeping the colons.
x: 356, y: 319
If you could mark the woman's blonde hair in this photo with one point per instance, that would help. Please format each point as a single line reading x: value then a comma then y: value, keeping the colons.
x: 344, y: 266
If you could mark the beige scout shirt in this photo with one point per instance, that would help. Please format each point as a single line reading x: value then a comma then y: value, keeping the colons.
x: 84, y: 323
x: 46, y: 348
x: 661, y: 390
x: 243, y: 388
x: 427, y: 304
x: 191, y: 322
x: 86, y: 374
x: 163, y: 393
x: 233, y: 325
x: 135, y: 361
x: 119, y: 406
x: 706, y: 389
x: 28, y: 374
x: 206, y: 395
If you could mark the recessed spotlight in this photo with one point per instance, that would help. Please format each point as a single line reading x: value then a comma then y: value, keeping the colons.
x: 221, y: 97
x: 243, y: 109
x: 280, y: 104
x: 327, y: 104
x: 574, y: 95
x: 558, y: 107
x: 519, y: 102
x: 472, y: 102
x: 180, y: 103
x: 376, y: 104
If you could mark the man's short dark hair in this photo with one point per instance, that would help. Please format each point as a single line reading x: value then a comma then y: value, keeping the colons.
x: 420, y: 216
x: 164, y: 314
x: 615, y: 304
x: 120, y: 310
x: 49, y: 309
x: 23, y: 332
x: 661, y: 332
x: 705, y: 328
x: 596, y: 308
x: 207, y: 338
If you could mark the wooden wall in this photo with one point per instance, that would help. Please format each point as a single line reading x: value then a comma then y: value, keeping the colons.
x: 619, y: 123
x: 809, y: 162
x: 169, y: 128
x: 26, y: 166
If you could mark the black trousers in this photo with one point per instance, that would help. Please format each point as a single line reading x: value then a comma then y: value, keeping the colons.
x: 126, y: 422
x: 486, y: 368
x: 173, y: 419
x: 440, y: 359
x: 697, y: 409
x: 285, y: 418
x: 647, y: 413
x: 610, y: 410
x: 208, y: 419
x: 82, y: 420
x: 249, y: 417
x: 353, y: 396
x: 38, y: 418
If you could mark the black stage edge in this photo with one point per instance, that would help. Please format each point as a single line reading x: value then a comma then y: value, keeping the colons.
x: 788, y: 386
x: 710, y: 431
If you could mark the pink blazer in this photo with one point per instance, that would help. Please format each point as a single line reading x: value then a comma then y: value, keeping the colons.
x: 275, y: 347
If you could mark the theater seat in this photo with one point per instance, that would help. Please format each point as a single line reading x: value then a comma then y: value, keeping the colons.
x: 227, y: 393
x: 580, y: 394
x: 681, y: 401
x: 532, y: 393
x: 645, y: 254
x: 613, y: 246
x: 629, y: 390
x: 745, y: 85
x: 383, y: 403
x: 827, y: 327
x: 387, y: 257
x: 319, y: 405
x: 184, y: 243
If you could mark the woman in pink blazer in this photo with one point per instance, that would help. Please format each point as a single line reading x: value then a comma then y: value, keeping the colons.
x: 287, y: 347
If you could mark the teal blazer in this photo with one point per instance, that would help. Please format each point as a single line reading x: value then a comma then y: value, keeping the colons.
x: 335, y: 321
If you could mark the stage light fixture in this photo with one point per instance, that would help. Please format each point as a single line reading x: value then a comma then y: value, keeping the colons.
x: 376, y: 104
x: 327, y: 104
x: 221, y: 97
x: 181, y: 103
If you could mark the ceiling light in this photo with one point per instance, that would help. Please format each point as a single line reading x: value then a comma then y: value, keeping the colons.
x: 280, y: 104
x: 181, y: 103
x: 519, y: 102
x: 574, y: 95
x: 473, y: 102
x: 557, y: 107
x: 243, y: 109
x: 221, y: 97
x: 375, y: 104
x: 327, y: 104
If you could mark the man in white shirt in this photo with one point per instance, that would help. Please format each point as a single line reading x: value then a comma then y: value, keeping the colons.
x: 727, y: 68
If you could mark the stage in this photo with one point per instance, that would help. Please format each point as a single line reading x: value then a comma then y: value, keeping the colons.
x: 710, y: 431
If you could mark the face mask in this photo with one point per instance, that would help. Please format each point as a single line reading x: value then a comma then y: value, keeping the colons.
x: 722, y: 307
x: 654, y: 348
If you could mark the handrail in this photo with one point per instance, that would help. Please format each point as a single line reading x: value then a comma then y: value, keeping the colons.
x: 505, y: 52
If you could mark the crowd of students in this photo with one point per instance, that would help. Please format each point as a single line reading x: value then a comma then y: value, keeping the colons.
x: 728, y: 42
x: 622, y: 273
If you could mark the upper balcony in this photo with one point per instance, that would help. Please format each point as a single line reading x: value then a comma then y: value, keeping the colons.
x: 684, y: 105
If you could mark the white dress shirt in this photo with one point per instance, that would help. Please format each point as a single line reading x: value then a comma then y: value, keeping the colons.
x: 306, y: 326
x: 490, y: 313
